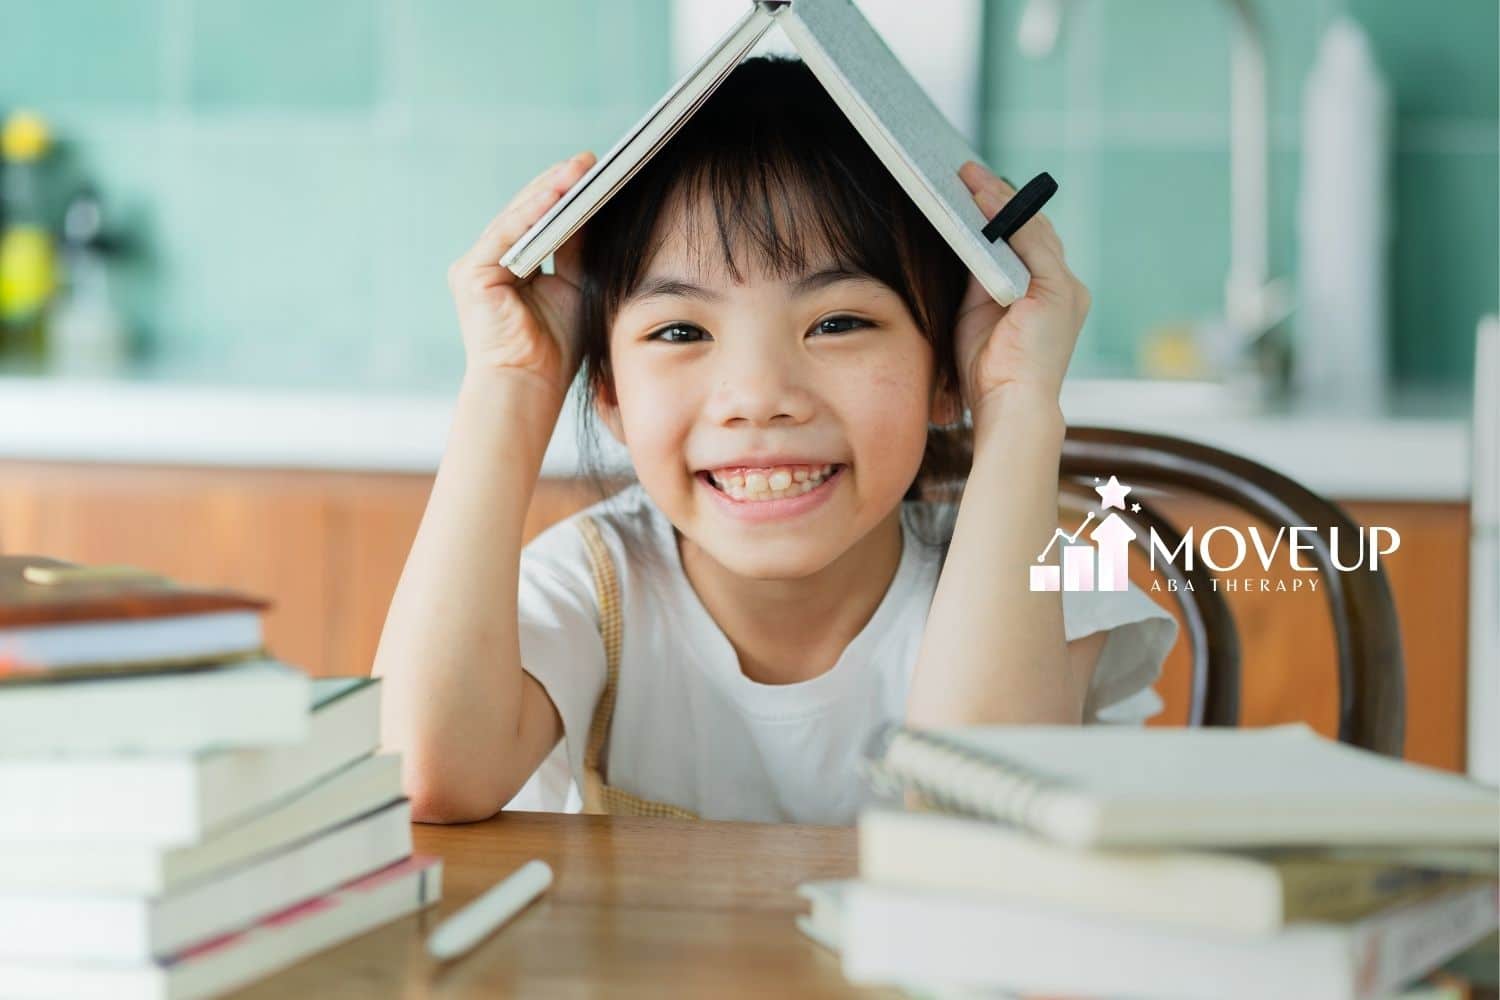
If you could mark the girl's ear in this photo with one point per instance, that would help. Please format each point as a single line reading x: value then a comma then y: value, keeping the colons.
x: 947, y: 408
x: 607, y: 409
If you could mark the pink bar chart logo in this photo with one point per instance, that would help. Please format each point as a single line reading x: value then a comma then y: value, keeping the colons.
x: 1097, y: 564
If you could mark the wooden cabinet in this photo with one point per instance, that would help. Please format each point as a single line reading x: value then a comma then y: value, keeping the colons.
x: 328, y: 547
x: 325, y: 547
x: 1287, y: 641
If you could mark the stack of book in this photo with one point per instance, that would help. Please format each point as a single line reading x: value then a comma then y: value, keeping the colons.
x: 180, y: 813
x: 1215, y: 863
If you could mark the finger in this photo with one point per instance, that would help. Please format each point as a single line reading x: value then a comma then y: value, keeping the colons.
x: 525, y: 209
x: 1036, y: 242
x: 976, y: 176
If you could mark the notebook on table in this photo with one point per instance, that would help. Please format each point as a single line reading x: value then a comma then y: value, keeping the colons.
x: 1117, y: 787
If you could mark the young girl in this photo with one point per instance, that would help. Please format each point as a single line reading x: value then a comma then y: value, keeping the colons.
x: 786, y: 348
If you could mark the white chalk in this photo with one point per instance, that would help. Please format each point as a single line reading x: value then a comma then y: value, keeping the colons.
x: 485, y: 915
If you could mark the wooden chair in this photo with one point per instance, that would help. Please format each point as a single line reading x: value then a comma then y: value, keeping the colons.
x: 1371, y: 676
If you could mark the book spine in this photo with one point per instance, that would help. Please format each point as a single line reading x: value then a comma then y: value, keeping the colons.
x: 956, y: 779
x: 1331, y: 890
x: 1390, y: 949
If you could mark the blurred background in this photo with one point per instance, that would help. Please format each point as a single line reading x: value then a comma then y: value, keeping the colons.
x: 228, y: 349
x: 287, y: 180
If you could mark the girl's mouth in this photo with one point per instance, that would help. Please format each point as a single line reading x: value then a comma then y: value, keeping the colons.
x: 759, y: 485
x: 773, y: 493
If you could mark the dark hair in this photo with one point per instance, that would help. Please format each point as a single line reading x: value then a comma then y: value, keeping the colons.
x: 767, y: 146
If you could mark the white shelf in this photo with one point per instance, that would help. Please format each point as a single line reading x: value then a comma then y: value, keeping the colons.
x: 1399, y: 456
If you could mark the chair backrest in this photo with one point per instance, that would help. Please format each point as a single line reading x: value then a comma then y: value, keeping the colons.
x: 1371, y: 675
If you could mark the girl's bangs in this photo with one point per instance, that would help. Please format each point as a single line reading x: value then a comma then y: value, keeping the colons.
x: 768, y: 177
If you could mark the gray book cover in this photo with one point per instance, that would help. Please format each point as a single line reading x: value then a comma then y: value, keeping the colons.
x: 903, y: 127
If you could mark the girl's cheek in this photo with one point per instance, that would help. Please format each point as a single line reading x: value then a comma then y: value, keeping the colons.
x: 900, y: 378
x: 657, y: 415
x: 885, y: 413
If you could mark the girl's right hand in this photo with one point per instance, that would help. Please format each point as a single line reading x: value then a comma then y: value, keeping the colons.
x: 526, y: 326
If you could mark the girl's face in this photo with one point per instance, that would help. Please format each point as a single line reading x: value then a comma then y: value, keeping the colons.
x: 774, y: 421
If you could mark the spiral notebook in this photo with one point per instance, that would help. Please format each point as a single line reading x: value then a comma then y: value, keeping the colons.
x: 920, y: 147
x: 1115, y: 786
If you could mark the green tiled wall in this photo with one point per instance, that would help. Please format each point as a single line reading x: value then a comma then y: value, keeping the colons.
x: 1130, y: 113
x: 295, y: 177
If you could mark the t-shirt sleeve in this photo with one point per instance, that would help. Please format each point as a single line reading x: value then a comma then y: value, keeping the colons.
x: 558, y: 615
x: 1141, y: 633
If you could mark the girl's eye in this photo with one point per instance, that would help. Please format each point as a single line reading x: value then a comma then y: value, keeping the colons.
x: 841, y: 324
x: 668, y: 334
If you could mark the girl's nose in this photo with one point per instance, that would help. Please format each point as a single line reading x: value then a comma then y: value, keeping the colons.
x: 756, y: 387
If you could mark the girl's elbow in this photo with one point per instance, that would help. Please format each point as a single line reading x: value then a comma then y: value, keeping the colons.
x: 436, y: 798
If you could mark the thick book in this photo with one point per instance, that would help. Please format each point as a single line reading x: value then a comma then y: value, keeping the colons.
x: 238, y: 959
x: 181, y: 798
x: 59, y: 618
x: 906, y: 131
x: 1253, y: 892
x: 113, y: 866
x: 245, y: 703
x: 951, y: 940
x: 109, y: 928
x: 1110, y: 786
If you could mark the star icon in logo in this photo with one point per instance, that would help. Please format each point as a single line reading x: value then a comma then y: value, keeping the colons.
x: 1112, y: 493
x: 1135, y: 508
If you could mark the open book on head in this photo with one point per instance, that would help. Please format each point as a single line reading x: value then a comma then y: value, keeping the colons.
x: 904, y: 129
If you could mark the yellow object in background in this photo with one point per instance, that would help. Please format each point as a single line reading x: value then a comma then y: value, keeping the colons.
x: 1170, y: 352
x: 28, y: 271
x: 26, y: 138
x: 28, y: 253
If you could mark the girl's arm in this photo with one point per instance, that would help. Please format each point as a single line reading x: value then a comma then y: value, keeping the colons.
x: 992, y: 650
x: 470, y: 723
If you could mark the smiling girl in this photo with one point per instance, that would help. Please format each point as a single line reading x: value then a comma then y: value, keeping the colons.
x: 786, y: 349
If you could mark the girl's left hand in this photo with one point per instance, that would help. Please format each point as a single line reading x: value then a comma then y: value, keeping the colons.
x: 1023, y: 348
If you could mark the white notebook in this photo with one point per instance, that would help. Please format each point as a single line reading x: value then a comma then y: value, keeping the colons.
x: 50, y: 926
x: 1108, y: 786
x: 954, y: 942
x: 920, y: 147
x: 173, y: 799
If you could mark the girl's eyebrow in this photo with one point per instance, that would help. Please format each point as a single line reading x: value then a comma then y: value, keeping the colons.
x: 668, y: 285
x: 824, y: 278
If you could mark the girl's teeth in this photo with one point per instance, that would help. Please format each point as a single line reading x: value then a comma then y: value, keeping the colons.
x: 778, y: 484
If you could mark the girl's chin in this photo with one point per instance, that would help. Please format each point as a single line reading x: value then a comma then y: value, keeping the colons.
x: 751, y: 561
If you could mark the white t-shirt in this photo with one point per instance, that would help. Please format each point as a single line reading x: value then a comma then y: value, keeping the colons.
x: 692, y: 730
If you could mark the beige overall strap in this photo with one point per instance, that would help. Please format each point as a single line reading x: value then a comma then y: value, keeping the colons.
x: 599, y: 797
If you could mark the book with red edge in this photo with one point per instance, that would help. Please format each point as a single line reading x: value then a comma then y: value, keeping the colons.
x: 61, y: 620
x: 237, y: 959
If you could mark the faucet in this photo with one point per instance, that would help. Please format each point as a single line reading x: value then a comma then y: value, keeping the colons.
x: 1253, y: 303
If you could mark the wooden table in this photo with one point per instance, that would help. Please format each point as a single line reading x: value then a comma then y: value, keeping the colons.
x: 644, y: 907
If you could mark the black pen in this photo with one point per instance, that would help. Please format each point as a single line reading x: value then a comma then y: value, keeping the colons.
x: 1027, y: 202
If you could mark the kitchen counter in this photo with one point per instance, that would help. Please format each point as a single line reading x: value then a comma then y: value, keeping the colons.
x: 1417, y: 449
